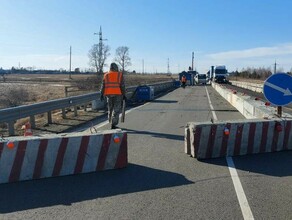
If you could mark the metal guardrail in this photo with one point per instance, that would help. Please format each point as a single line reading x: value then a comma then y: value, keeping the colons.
x: 10, y: 115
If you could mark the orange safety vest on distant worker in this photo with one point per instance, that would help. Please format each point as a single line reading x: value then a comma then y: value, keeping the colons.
x: 112, y: 83
x: 27, y: 129
x: 183, y: 79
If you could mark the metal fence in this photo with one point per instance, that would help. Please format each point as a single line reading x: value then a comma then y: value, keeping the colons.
x: 10, y: 115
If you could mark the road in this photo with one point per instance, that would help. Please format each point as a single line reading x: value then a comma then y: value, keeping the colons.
x: 161, y: 181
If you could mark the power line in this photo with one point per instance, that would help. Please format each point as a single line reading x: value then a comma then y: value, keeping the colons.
x: 193, y: 56
x: 275, y: 67
x: 100, y: 45
x: 70, y: 64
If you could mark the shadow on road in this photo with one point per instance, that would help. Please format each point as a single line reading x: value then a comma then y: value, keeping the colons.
x: 225, y: 110
x: 272, y: 164
x: 70, y: 189
x: 155, y: 134
x: 163, y: 101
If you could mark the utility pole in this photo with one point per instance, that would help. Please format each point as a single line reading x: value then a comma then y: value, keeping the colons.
x: 275, y: 67
x: 70, y: 64
x: 100, y: 44
x: 142, y: 66
x: 193, y: 56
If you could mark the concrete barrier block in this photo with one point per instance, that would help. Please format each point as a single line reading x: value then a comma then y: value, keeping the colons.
x: 209, y: 140
x: 26, y: 158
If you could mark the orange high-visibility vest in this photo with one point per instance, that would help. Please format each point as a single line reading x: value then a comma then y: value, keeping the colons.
x: 27, y: 129
x: 112, y: 83
x: 183, y: 79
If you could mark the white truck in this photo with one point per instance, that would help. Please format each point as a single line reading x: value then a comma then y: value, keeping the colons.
x: 219, y: 74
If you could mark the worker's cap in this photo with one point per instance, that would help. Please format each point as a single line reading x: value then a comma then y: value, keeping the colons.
x: 114, y: 67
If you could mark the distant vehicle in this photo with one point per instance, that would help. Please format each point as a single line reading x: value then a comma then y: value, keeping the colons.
x: 219, y: 74
x: 200, y: 79
x: 220, y: 79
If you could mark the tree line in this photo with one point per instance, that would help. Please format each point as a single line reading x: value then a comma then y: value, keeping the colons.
x: 260, y: 73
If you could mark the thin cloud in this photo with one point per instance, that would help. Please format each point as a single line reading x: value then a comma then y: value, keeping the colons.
x: 52, y: 61
x: 283, y: 49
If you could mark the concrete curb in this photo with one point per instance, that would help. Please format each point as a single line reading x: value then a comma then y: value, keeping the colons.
x: 60, y: 155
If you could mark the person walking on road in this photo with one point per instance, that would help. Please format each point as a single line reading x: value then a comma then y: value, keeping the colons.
x: 183, y: 81
x: 113, y: 88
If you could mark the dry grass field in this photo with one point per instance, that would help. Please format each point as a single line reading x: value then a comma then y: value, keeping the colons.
x: 24, y: 89
x: 46, y: 87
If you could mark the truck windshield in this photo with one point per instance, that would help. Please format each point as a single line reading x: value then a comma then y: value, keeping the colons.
x: 220, y: 71
x: 202, y: 76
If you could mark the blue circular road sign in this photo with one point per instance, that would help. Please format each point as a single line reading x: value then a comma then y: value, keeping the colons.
x: 278, y: 89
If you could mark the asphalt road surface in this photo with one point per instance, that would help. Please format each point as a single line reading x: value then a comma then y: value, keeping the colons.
x: 161, y: 181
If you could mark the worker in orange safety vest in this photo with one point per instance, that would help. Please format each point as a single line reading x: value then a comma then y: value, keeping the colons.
x: 183, y: 81
x: 27, y: 129
x: 113, y: 88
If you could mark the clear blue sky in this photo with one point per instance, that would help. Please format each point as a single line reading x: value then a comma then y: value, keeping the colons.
x: 235, y: 33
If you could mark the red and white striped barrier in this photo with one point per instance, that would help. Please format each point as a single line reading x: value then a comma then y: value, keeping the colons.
x: 219, y: 139
x: 29, y: 158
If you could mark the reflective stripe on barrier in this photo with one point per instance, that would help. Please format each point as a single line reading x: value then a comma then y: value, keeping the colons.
x: 59, y: 155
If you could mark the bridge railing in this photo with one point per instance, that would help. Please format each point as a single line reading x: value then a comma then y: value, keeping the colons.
x: 10, y: 115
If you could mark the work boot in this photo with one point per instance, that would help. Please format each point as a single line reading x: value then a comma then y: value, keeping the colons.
x: 114, y: 127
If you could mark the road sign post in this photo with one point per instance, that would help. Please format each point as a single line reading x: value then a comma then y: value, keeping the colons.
x: 279, y: 111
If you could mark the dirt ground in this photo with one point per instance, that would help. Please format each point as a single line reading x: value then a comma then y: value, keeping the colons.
x: 24, y: 89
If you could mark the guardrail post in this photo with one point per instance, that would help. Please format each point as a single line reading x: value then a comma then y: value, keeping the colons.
x: 32, y: 121
x: 11, y: 128
x: 49, y: 117
x: 63, y: 113
x: 75, y: 110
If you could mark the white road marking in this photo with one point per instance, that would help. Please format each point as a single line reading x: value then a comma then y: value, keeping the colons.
x: 245, y: 208
x: 211, y: 106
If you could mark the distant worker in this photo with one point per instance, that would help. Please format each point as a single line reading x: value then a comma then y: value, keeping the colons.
x: 183, y: 81
x: 113, y: 87
x: 27, y: 129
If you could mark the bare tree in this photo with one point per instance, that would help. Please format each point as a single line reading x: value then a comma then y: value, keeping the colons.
x: 97, y: 56
x: 122, y: 57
